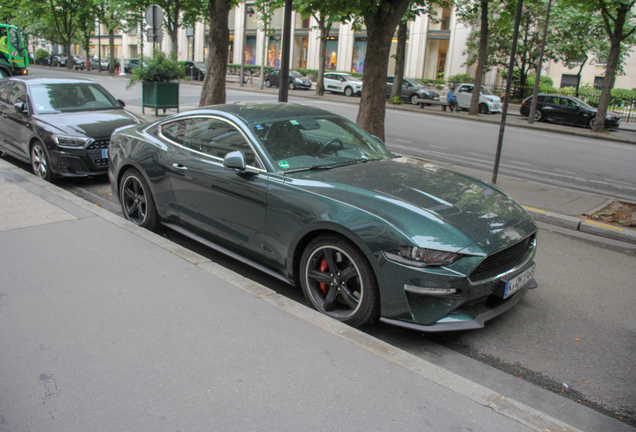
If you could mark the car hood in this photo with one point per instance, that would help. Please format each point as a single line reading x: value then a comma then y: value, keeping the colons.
x: 427, y: 90
x: 432, y: 206
x: 93, y: 124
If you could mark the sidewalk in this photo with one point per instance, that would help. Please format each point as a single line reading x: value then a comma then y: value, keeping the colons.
x: 107, y: 326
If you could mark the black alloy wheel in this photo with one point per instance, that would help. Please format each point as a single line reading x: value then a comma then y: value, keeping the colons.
x: 338, y: 280
x: 591, y: 123
x: 483, y: 108
x: 137, y: 202
x: 40, y: 162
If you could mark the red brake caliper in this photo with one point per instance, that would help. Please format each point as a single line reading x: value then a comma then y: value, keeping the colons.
x: 323, y: 268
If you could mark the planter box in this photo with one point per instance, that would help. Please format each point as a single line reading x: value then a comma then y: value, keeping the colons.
x: 159, y: 95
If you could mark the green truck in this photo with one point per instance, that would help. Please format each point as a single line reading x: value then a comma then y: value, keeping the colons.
x: 14, y: 57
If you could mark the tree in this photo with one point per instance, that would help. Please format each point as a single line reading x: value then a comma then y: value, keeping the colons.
x: 502, y: 15
x: 179, y: 13
x: 326, y: 13
x: 58, y: 21
x: 9, y: 9
x: 213, y: 91
x: 575, y: 35
x: 619, y: 23
x: 86, y: 29
x: 467, y: 11
x: 111, y: 13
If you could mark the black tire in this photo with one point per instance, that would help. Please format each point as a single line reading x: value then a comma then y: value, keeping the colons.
x: 483, y: 108
x: 414, y: 99
x: 40, y: 162
x: 292, y: 86
x: 338, y: 281
x: 137, y: 203
x: 268, y: 83
x: 538, y: 115
x: 348, y: 91
x: 591, y: 123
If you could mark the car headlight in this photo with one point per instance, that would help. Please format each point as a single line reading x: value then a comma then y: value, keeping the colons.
x: 70, y: 141
x: 421, y: 257
x: 425, y: 93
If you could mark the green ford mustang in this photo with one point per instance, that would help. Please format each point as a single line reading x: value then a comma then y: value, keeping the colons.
x: 311, y: 198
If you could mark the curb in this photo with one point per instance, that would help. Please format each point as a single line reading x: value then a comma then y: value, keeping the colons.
x: 583, y: 225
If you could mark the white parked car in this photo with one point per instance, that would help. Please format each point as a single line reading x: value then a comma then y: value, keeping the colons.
x: 488, y: 102
x: 338, y: 82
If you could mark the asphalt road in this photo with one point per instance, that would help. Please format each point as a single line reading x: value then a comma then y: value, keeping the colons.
x: 575, y: 335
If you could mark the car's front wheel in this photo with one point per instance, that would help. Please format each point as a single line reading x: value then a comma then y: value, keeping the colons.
x: 40, y: 162
x: 137, y: 202
x: 338, y: 281
x: 591, y: 123
x: 292, y: 86
x: 414, y: 99
x: 268, y: 83
x: 348, y: 91
x: 483, y: 108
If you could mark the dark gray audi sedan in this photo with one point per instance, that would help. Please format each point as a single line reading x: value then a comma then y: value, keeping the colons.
x: 62, y: 127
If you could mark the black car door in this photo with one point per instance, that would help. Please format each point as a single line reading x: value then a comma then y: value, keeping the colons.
x: 570, y: 111
x: 5, y: 86
x: 216, y: 201
x: 17, y: 125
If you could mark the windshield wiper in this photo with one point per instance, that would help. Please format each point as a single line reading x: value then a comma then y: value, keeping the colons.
x: 310, y: 168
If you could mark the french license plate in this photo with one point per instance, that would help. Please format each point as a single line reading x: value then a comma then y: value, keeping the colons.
x: 105, y: 154
x: 436, y: 98
x: 515, y: 284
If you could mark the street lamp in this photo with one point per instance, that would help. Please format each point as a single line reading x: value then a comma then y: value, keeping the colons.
x: 248, y: 11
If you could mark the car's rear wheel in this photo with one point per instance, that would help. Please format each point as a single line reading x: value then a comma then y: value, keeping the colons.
x: 414, y: 99
x: 348, y: 91
x: 137, y: 202
x: 40, y: 162
x: 537, y: 115
x: 483, y: 108
x: 338, y: 280
x: 292, y: 86
x: 268, y: 83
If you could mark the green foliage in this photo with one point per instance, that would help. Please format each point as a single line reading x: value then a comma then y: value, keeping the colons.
x: 546, y: 85
x: 397, y: 100
x: 624, y: 94
x: 462, y: 78
x: 41, y: 54
x: 160, y: 68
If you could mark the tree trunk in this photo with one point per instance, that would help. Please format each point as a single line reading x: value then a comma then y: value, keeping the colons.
x: 174, y: 33
x: 264, y: 54
x: 400, y: 55
x: 213, y: 91
x: 324, y: 34
x: 481, y: 61
x: 69, y: 58
x: 608, y: 83
x: 111, y: 42
x: 380, y: 30
x: 578, y: 76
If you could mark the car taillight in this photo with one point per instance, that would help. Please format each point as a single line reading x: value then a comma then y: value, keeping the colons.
x: 523, y: 103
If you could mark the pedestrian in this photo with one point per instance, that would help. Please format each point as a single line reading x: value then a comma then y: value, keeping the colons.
x: 251, y: 78
x: 451, y: 100
x: 51, y: 60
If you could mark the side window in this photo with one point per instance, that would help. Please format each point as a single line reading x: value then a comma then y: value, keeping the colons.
x: 466, y: 89
x: 216, y: 138
x: 4, y: 91
x: 540, y: 99
x: 18, y: 94
x: 175, y: 131
x: 389, y: 79
x: 567, y: 102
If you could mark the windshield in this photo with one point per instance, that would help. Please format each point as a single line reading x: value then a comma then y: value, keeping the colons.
x: 352, y: 78
x: 582, y: 104
x: 200, y: 65
x: 485, y: 91
x: 417, y: 82
x: 293, y: 73
x: 304, y: 143
x: 69, y: 97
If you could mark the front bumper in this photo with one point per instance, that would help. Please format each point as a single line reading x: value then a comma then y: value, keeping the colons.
x: 450, y: 298
x: 80, y: 162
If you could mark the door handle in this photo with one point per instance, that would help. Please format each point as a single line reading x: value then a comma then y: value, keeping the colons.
x: 180, y: 167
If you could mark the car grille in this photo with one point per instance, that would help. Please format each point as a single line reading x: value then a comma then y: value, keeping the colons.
x: 95, y: 152
x: 502, y: 261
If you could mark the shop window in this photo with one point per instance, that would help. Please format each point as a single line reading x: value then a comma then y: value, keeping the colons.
x: 250, y: 50
x: 359, y: 54
x: 331, y: 53
x: 273, y: 51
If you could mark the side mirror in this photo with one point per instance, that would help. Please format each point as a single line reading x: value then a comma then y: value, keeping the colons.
x: 235, y: 160
x: 20, y: 108
x: 121, y: 102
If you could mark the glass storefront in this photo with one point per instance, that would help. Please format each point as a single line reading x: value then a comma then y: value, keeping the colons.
x: 274, y: 51
x: 301, y: 45
x: 331, y: 53
x: 250, y: 50
x: 359, y: 54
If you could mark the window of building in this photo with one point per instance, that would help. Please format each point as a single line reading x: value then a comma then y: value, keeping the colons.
x: 598, y: 82
x: 250, y: 50
x: 331, y: 53
x: 274, y: 51
x: 301, y: 45
x: 569, y: 80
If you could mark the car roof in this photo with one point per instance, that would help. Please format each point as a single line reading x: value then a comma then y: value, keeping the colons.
x: 253, y: 112
x: 32, y: 80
